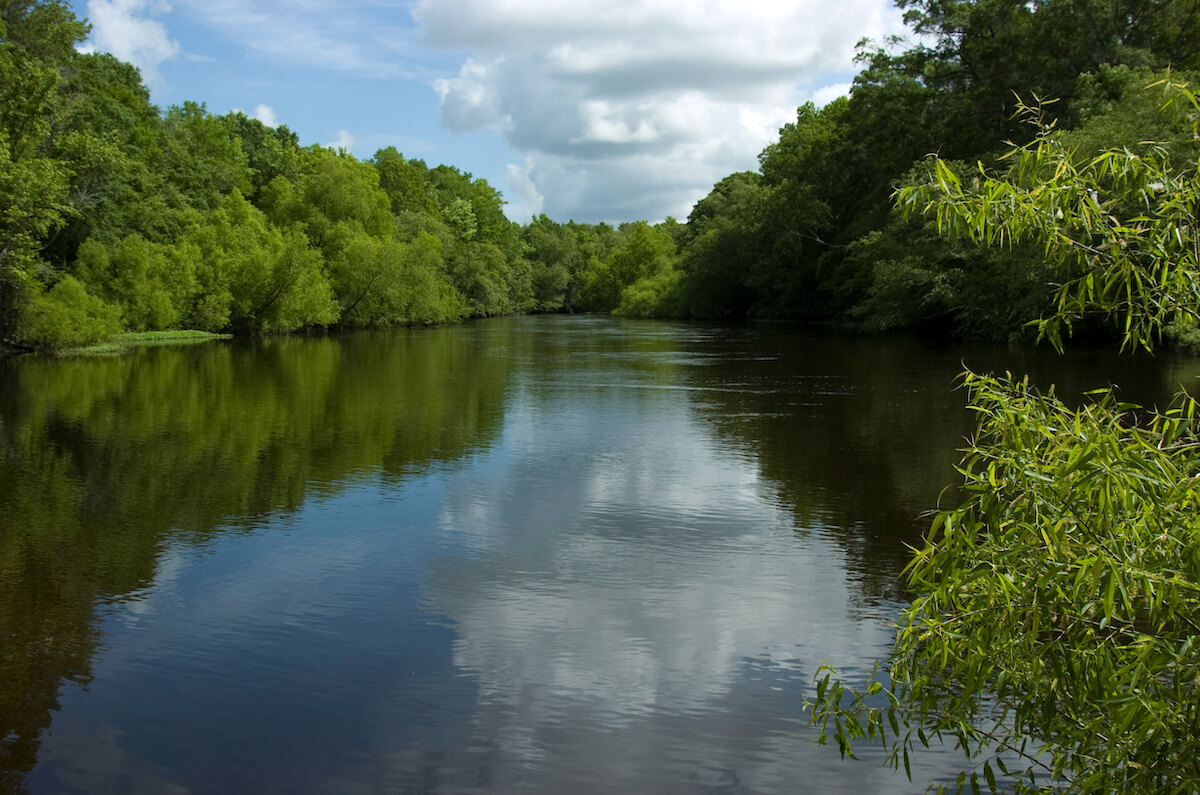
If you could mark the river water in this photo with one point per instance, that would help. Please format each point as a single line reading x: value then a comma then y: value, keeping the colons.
x: 542, y: 554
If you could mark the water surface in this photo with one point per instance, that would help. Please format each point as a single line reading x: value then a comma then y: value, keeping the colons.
x: 540, y: 554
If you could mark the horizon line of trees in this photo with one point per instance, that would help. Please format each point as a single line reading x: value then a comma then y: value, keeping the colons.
x: 812, y: 234
x: 120, y: 217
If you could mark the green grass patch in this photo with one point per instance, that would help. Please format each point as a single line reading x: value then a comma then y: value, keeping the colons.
x: 175, y: 337
x: 142, y: 339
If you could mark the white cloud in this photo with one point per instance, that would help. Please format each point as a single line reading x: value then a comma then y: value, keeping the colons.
x: 528, y: 200
x: 266, y: 114
x: 126, y: 29
x: 640, y: 107
x: 582, y: 600
x: 823, y: 96
x: 343, y: 140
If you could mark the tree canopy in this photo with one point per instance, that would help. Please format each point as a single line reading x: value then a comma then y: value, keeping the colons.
x: 1053, y: 631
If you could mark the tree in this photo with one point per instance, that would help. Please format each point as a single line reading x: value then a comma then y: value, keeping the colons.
x: 203, y: 157
x: 36, y: 40
x: 270, y: 151
x: 555, y: 261
x: 154, y: 284
x: 253, y: 276
x: 405, y: 182
x: 951, y: 287
x: 1053, y: 632
x: 644, y: 252
x: 119, y: 189
x: 725, y: 239
x: 1119, y: 228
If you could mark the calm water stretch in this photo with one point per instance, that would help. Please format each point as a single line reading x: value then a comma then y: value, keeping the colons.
x: 543, y: 554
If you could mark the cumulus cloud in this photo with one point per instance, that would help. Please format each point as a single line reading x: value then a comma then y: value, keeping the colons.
x: 640, y: 107
x: 126, y: 29
x: 343, y: 140
x: 266, y: 114
x: 528, y: 200
x: 823, y: 96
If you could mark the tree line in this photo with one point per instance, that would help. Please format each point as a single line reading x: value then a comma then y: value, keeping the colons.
x: 812, y: 234
x: 117, y: 216
x: 120, y: 217
x: 1052, y: 634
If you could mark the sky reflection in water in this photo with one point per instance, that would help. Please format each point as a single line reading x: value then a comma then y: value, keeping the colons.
x: 621, y: 580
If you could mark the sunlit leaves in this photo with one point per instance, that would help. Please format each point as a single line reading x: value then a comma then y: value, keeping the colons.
x: 1119, y: 227
x: 1055, y: 621
x: 1053, y: 630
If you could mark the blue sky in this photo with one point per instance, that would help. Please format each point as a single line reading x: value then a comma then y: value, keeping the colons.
x: 596, y: 110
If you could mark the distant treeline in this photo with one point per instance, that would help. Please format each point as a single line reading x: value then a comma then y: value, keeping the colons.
x: 116, y: 216
x: 812, y: 234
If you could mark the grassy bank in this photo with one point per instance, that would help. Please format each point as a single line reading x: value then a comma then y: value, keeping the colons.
x: 140, y: 339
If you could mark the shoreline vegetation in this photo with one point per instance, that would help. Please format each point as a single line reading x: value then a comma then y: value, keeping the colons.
x: 122, y: 217
x: 130, y: 340
x: 1054, y: 609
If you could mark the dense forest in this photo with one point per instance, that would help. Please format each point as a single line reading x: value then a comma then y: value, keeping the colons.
x: 120, y: 217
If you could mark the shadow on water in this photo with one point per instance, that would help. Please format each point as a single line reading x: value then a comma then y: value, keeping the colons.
x: 107, y: 460
x: 586, y: 540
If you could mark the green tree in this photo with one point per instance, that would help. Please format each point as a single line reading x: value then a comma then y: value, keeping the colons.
x: 644, y: 252
x: 726, y: 238
x: 556, y: 262
x: 203, y: 157
x: 36, y: 40
x: 385, y: 282
x: 270, y: 151
x: 1053, y: 630
x: 405, y: 182
x: 333, y: 189
x: 154, y: 284
x: 120, y: 190
x: 254, y: 277
x: 65, y: 316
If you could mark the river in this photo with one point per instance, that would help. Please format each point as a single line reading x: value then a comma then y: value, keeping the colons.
x: 547, y: 554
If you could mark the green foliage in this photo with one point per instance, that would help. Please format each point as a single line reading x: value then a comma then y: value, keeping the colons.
x: 555, y: 261
x: 382, y: 283
x: 1117, y: 227
x: 1053, y: 633
x: 921, y: 280
x: 1053, y: 630
x: 405, y: 182
x: 117, y: 186
x: 558, y: 258
x: 222, y: 222
x: 203, y: 158
x: 67, y: 316
x: 726, y: 238
x: 334, y: 189
x: 270, y: 151
x: 807, y: 249
x: 153, y: 283
x: 1116, y: 109
x: 252, y: 276
x: 651, y: 296
x: 36, y: 39
x: 644, y: 252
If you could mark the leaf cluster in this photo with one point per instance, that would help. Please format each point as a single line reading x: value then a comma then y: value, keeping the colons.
x: 1119, y: 228
x: 1055, y: 621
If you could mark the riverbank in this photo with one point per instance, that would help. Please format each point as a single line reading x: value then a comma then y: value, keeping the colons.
x: 138, y: 339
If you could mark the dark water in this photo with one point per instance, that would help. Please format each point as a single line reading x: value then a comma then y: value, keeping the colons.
x: 543, y: 555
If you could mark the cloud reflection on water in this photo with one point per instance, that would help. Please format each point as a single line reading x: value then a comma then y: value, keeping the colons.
x: 642, y: 601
